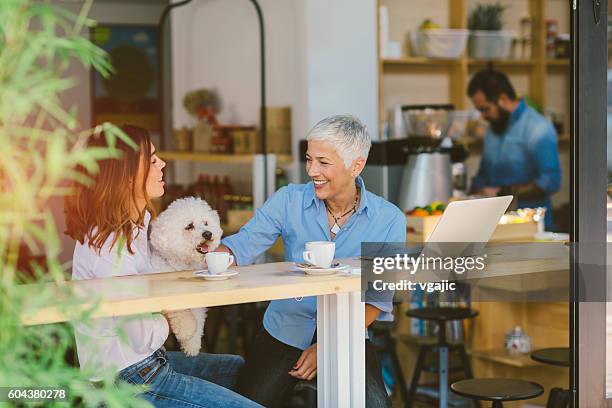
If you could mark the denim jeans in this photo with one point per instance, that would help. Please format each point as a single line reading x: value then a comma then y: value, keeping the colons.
x: 175, y: 380
x: 265, y: 377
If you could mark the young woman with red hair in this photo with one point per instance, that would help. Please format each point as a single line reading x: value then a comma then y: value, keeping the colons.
x: 109, y: 220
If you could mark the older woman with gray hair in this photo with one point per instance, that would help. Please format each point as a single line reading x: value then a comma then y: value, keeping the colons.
x: 333, y: 206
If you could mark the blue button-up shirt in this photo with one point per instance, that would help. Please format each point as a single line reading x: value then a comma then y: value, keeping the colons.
x: 295, y: 213
x: 527, y: 151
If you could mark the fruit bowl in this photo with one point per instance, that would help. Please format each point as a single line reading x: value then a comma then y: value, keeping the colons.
x: 439, y: 43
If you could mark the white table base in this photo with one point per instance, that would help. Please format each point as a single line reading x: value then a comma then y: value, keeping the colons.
x: 341, y: 351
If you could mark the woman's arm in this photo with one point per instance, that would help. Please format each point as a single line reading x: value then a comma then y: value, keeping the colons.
x: 261, y: 232
x: 371, y: 314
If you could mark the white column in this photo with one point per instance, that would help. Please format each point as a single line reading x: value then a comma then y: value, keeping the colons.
x: 357, y: 344
x: 341, y: 351
x: 258, y: 180
x: 270, y: 174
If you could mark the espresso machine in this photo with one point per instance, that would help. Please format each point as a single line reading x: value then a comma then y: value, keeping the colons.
x: 434, y: 168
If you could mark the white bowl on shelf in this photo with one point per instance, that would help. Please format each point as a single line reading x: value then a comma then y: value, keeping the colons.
x: 440, y: 43
x: 490, y: 44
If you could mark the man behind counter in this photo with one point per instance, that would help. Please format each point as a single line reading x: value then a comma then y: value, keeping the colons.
x: 520, y: 154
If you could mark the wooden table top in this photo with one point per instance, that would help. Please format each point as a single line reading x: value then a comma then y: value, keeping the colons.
x: 127, y: 295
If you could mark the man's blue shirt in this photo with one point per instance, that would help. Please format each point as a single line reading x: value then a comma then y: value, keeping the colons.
x: 295, y: 213
x: 527, y: 151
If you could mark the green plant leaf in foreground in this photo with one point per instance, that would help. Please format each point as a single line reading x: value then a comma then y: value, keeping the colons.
x: 41, y: 146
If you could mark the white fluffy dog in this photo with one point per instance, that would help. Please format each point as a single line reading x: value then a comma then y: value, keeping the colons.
x: 181, y: 236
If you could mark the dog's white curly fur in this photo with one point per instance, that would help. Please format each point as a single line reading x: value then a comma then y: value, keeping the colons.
x: 180, y: 237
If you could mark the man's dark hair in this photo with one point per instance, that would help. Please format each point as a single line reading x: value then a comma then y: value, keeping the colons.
x: 492, y: 83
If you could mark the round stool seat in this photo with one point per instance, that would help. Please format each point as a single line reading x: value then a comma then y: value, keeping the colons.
x: 497, y: 389
x: 442, y: 314
x: 558, y: 356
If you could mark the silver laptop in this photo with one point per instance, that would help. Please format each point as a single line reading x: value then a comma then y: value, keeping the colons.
x: 466, y: 227
x: 463, y: 230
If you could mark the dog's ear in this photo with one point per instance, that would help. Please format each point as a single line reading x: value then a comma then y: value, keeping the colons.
x: 215, y: 216
x: 158, y: 239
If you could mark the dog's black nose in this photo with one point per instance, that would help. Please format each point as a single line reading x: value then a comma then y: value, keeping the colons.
x: 207, y: 235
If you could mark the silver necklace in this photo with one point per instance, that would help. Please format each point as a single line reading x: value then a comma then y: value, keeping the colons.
x: 336, y: 228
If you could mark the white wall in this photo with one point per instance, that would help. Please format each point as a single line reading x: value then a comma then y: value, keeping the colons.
x: 321, y: 59
x: 341, y: 46
x: 215, y: 44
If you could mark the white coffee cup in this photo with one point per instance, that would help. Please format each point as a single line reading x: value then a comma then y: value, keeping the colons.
x: 218, y: 262
x: 320, y: 253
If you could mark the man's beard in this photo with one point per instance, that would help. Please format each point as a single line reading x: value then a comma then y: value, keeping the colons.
x: 499, y: 125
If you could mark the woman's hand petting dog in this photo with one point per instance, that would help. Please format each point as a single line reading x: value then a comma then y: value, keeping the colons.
x: 306, y: 366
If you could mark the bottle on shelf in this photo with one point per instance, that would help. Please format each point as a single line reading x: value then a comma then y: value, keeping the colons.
x: 214, y: 193
x: 226, y: 189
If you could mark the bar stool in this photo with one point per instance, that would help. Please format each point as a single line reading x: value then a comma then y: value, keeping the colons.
x: 558, y: 356
x: 497, y: 390
x: 440, y: 315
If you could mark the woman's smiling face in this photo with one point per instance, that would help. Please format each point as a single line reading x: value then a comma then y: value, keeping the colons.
x: 326, y: 169
x: 154, y: 182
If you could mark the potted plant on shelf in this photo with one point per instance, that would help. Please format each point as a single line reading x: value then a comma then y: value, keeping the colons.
x: 203, y: 104
x: 487, y: 40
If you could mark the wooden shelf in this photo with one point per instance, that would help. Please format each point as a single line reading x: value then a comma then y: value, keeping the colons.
x: 435, y: 62
x: 561, y: 62
x: 537, y: 69
x: 418, y: 61
x: 504, y: 63
x: 219, y: 158
x: 501, y: 356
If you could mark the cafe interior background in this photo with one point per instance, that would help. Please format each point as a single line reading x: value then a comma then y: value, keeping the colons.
x: 199, y: 90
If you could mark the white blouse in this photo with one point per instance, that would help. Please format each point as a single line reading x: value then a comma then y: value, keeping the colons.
x: 117, y: 342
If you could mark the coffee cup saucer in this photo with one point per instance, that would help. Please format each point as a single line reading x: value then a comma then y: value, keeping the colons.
x: 206, y: 275
x: 313, y: 270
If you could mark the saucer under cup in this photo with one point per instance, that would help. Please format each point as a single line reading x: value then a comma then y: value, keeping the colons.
x: 206, y: 275
x: 316, y: 271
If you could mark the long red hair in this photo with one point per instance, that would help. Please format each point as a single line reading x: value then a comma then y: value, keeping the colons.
x: 94, y: 212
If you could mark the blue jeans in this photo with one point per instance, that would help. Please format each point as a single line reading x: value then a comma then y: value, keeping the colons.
x: 175, y: 380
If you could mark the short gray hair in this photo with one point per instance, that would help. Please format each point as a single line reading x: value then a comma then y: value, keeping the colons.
x: 347, y: 134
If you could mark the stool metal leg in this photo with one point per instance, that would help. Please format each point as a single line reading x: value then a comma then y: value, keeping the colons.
x: 442, y: 366
x: 443, y: 376
x: 416, y: 376
x: 467, y: 367
x: 497, y: 404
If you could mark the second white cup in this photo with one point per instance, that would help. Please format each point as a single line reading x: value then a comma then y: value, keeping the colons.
x: 320, y: 253
x: 218, y: 262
